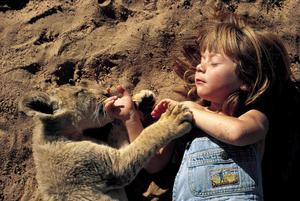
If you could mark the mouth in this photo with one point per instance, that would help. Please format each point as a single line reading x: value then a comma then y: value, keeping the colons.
x: 199, y: 81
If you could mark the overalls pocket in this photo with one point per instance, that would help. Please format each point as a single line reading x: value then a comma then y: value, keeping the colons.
x: 222, y: 170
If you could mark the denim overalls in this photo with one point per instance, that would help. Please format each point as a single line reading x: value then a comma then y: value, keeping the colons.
x: 215, y: 171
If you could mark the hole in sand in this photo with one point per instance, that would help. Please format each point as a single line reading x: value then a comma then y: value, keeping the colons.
x: 65, y: 73
x: 12, y: 4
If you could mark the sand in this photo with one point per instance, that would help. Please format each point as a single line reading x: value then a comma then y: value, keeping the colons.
x: 50, y: 43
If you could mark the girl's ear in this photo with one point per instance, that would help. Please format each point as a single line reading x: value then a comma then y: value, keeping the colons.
x: 245, y: 87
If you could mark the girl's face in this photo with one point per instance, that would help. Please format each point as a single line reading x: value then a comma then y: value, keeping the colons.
x: 215, y: 77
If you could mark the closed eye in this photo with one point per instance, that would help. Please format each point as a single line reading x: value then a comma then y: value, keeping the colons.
x: 215, y: 64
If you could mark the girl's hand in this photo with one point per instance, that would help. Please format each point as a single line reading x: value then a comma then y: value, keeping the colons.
x: 120, y: 108
x: 161, y: 107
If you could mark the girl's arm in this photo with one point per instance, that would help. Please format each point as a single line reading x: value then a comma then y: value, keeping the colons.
x: 248, y: 128
x: 160, y: 159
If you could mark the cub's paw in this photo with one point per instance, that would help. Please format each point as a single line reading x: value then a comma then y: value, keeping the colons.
x: 179, y: 117
x: 144, y: 101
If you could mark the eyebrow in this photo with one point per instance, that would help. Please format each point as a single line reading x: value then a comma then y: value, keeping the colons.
x: 211, y: 55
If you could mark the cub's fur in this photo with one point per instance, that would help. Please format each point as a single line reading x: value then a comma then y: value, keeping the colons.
x: 73, y: 167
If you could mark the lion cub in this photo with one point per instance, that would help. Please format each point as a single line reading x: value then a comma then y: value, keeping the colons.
x: 72, y: 167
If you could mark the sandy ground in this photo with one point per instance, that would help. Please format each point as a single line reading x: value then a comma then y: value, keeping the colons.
x: 49, y: 43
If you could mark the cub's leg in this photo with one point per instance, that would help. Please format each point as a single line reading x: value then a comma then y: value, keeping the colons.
x: 175, y: 122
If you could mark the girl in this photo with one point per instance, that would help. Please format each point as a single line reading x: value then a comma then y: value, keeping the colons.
x: 239, y: 77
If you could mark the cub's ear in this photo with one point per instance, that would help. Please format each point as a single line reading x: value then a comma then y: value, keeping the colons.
x: 37, y: 104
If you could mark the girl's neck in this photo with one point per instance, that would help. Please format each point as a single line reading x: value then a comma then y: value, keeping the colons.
x: 216, y: 107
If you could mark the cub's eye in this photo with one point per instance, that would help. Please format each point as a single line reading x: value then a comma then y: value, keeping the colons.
x: 80, y: 92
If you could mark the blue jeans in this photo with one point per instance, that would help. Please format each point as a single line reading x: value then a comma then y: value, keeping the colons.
x: 214, y: 171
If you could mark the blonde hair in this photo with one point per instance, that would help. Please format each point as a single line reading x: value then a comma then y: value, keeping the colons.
x: 261, y: 58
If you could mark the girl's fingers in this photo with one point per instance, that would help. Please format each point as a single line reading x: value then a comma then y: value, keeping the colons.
x: 108, y: 106
x: 108, y: 90
x: 160, y: 108
x: 122, y: 91
x: 110, y: 98
x: 108, y: 103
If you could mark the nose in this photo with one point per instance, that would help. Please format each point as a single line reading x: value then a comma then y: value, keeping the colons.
x: 200, y: 68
